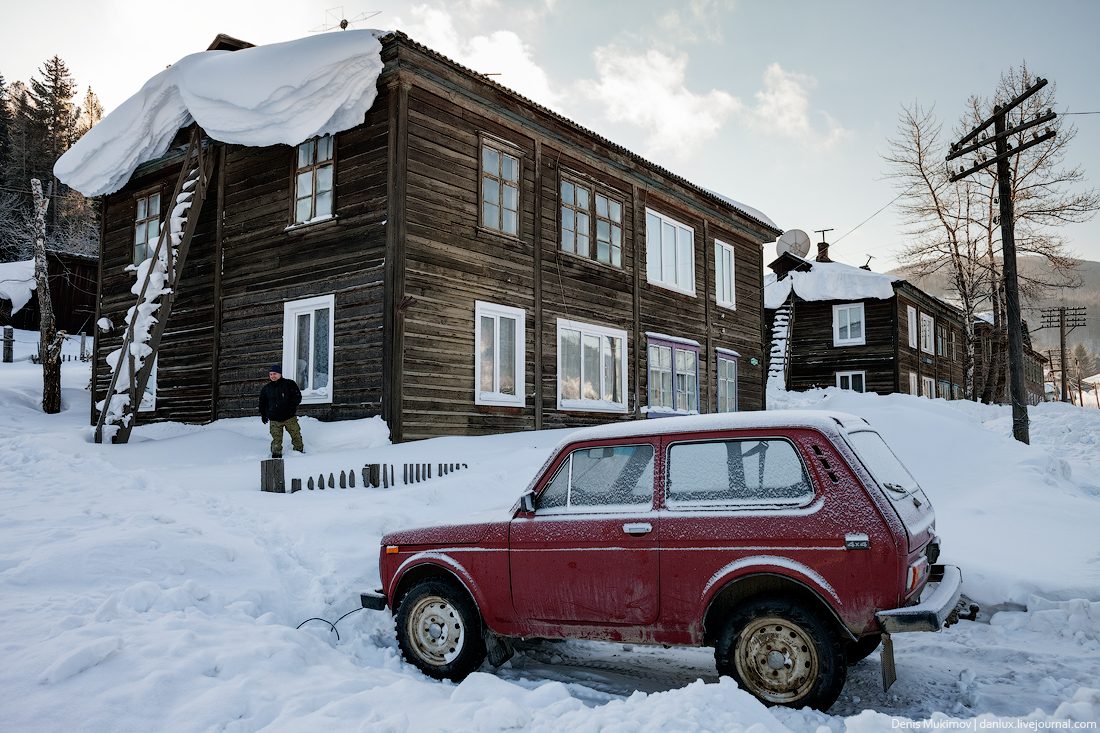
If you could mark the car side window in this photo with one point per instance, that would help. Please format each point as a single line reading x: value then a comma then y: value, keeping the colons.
x: 591, y: 479
x: 736, y: 473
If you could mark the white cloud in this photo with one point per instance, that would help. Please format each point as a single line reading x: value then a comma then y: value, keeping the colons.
x: 692, y: 19
x: 783, y: 108
x: 501, y: 52
x: 648, y: 90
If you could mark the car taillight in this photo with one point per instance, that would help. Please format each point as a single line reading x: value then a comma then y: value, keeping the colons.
x: 917, y: 571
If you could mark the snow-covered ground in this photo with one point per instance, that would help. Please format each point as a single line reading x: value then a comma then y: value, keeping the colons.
x: 152, y: 586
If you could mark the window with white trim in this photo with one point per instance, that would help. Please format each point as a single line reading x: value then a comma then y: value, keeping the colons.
x: 673, y: 378
x: 913, y: 384
x: 313, y: 181
x: 927, y: 330
x: 499, y: 190
x: 928, y: 386
x: 912, y: 326
x: 724, y: 274
x: 848, y: 327
x: 146, y: 227
x: 591, y: 367
x: 943, y: 389
x: 498, y: 364
x: 670, y: 253
x: 854, y: 381
x: 308, y: 346
x: 727, y: 382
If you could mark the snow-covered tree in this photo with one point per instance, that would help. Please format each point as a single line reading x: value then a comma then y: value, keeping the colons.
x: 50, y: 339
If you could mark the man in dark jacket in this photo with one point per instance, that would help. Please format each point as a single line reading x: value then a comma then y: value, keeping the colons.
x: 279, y: 400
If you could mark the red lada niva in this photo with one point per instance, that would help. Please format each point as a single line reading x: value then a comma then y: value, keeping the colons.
x: 792, y: 542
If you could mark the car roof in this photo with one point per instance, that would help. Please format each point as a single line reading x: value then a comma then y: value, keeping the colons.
x: 825, y: 421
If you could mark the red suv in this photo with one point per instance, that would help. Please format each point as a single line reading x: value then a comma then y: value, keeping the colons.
x: 791, y: 542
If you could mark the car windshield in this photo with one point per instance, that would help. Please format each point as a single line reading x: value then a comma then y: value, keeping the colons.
x: 881, y: 462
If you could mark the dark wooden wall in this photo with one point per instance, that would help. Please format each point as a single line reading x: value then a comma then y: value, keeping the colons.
x: 814, y: 359
x: 72, y: 294
x: 939, y: 368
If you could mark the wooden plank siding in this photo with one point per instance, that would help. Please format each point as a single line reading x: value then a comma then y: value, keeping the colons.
x: 406, y: 259
x: 941, y: 368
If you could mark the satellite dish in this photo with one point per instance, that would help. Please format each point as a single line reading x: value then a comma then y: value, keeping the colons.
x: 795, y: 241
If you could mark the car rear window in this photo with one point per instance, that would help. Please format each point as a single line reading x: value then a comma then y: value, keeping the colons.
x: 881, y: 462
x: 736, y: 473
x: 602, y: 478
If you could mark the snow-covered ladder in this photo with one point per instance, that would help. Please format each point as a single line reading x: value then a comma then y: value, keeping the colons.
x: 782, y: 328
x: 157, y: 282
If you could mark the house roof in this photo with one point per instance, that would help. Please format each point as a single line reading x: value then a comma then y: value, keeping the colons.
x: 828, y: 281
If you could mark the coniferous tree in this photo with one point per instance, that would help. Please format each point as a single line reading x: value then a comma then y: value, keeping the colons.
x: 5, y: 131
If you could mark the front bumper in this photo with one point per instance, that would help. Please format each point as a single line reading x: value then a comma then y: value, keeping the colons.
x: 928, y: 615
x: 374, y: 600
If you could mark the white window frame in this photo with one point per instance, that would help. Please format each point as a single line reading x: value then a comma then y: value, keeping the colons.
x: 851, y: 374
x: 727, y: 356
x: 928, y: 387
x: 721, y: 288
x: 496, y: 312
x: 676, y: 408
x: 928, y: 337
x: 913, y: 384
x: 913, y: 332
x: 291, y: 311
x: 585, y: 405
x: 655, y: 259
x: 837, y: 341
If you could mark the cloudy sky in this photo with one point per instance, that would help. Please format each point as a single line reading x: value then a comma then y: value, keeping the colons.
x: 784, y: 105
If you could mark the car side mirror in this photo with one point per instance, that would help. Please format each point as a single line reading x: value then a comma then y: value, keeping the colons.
x: 527, y: 502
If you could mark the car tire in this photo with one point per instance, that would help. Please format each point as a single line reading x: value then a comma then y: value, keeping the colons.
x: 783, y: 652
x: 439, y: 630
x: 857, y: 651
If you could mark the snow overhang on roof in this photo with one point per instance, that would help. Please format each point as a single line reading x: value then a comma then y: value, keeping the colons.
x: 828, y: 281
x: 16, y: 283
x: 281, y: 93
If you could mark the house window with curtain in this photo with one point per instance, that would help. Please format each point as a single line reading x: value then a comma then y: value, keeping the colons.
x: 498, y: 365
x: 146, y: 227
x: 727, y: 381
x: 673, y: 377
x: 854, y: 381
x: 927, y: 331
x: 500, y: 172
x: 848, y: 327
x: 670, y: 253
x: 313, y: 181
x: 591, y: 367
x: 724, y: 274
x: 308, y: 346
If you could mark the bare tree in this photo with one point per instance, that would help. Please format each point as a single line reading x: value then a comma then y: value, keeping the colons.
x: 955, y: 226
x: 50, y: 339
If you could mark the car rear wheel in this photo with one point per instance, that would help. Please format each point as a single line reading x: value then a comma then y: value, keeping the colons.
x: 439, y: 630
x: 783, y: 652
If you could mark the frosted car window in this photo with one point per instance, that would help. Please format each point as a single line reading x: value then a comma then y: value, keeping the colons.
x: 619, y: 477
x: 881, y: 462
x: 736, y: 473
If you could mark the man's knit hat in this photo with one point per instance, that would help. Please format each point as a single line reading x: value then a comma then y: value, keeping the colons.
x: 277, y: 368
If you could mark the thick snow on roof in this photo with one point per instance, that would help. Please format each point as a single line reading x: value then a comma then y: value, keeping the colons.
x: 754, y: 213
x: 16, y: 283
x: 266, y: 95
x: 828, y: 281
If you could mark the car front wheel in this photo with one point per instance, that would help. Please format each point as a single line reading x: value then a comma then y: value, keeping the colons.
x: 783, y: 652
x: 439, y: 630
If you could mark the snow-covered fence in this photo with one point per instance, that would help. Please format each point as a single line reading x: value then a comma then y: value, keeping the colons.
x: 375, y: 476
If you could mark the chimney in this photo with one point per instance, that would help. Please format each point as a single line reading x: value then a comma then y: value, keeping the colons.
x: 822, y: 246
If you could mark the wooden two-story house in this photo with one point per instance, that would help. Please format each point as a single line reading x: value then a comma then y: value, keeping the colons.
x: 834, y: 325
x: 463, y: 261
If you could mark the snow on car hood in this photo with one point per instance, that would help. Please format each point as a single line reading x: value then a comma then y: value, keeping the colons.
x: 266, y: 95
x: 463, y: 530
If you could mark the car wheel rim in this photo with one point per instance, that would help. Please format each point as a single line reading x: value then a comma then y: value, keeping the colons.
x: 436, y: 630
x: 777, y: 660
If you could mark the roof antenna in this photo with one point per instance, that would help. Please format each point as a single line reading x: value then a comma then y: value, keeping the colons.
x: 823, y: 246
x: 334, y: 18
x: 867, y: 265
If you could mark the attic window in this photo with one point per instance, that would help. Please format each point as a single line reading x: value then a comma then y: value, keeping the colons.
x: 313, y: 181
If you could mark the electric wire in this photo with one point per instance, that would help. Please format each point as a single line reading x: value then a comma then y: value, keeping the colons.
x: 332, y: 624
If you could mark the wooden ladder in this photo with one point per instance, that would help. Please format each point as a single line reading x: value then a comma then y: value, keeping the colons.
x: 168, y: 260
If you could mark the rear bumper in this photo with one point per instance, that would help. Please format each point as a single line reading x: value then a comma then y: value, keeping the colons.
x: 930, y: 614
x: 374, y: 600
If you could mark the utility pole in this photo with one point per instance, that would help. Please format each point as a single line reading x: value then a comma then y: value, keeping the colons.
x: 1066, y: 319
x: 1002, y: 152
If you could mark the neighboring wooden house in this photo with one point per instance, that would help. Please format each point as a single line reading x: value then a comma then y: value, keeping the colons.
x: 463, y: 262
x: 990, y: 355
x: 834, y: 325
x: 72, y: 280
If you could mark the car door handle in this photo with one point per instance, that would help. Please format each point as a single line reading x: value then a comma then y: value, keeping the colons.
x: 637, y: 528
